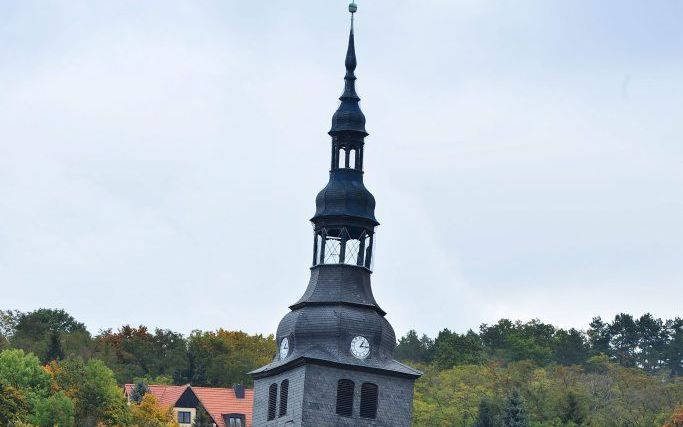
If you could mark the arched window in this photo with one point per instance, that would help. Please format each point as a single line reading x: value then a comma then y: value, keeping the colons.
x: 272, y: 401
x: 284, y: 397
x: 352, y: 159
x: 345, y: 398
x: 368, y: 400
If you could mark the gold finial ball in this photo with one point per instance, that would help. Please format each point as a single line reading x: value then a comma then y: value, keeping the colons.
x: 353, y: 7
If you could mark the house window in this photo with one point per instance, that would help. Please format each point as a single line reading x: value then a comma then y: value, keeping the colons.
x: 184, y: 417
x: 345, y: 398
x: 368, y: 400
x: 284, y: 396
x: 272, y: 401
x: 236, y: 420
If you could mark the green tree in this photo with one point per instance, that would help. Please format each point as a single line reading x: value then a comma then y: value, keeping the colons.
x: 56, y: 410
x: 652, y: 343
x: 97, y: 398
x: 515, y: 411
x: 202, y: 418
x: 54, y: 349
x: 411, y: 347
x: 452, y: 349
x: 43, y: 333
x: 624, y: 339
x: 23, y: 371
x: 223, y: 358
x: 138, y: 353
x: 599, y: 336
x: 571, y: 347
x: 674, y: 351
x: 487, y: 416
x: 573, y: 409
x: 516, y: 341
x: 138, y: 392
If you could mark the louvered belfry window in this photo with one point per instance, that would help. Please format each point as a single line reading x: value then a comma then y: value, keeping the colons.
x: 345, y: 398
x: 284, y: 397
x: 272, y: 402
x: 368, y: 400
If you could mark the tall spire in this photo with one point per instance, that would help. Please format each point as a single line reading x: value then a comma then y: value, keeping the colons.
x: 349, y: 117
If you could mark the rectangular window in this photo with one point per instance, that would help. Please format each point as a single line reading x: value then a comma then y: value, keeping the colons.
x: 236, y: 421
x: 184, y: 417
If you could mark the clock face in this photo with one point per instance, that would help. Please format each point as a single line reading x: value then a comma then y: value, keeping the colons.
x: 360, y: 347
x: 284, y: 348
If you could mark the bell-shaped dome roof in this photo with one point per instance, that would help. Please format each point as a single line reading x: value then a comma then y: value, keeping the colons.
x: 345, y: 195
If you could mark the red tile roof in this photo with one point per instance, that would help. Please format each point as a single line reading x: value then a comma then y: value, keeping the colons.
x: 167, y: 395
x: 219, y: 401
x: 216, y: 401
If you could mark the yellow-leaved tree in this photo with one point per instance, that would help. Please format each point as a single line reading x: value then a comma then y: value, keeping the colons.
x: 148, y: 413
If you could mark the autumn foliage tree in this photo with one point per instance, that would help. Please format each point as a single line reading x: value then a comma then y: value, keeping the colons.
x: 148, y: 413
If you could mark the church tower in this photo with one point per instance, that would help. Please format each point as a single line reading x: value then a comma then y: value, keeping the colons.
x: 334, y: 366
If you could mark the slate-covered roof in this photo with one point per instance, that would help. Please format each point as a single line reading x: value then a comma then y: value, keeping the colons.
x: 217, y: 401
x: 322, y: 356
x: 349, y: 117
x: 345, y: 195
x: 338, y: 283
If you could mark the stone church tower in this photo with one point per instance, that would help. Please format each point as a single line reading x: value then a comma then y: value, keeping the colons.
x: 334, y: 366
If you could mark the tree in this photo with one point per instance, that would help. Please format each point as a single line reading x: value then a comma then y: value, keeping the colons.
x: 452, y: 349
x: 517, y: 341
x: 624, y: 339
x: 93, y: 388
x: 148, y: 413
x: 573, y: 409
x: 138, y: 392
x: 571, y: 347
x: 487, y: 416
x: 652, y: 343
x: 676, y: 418
x: 8, y: 322
x: 42, y: 332
x: 599, y: 336
x: 223, y: 358
x: 138, y: 353
x: 56, y: 410
x: 515, y: 411
x: 674, y: 352
x: 411, y: 347
x: 13, y: 405
x: 202, y: 418
x: 54, y: 347
x: 23, y: 372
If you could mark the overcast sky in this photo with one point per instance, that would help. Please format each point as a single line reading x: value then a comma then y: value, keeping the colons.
x: 159, y: 160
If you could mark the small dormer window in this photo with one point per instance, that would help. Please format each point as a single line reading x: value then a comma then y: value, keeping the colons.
x: 235, y: 420
x: 184, y: 417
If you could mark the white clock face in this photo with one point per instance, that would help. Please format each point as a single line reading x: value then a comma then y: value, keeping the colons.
x: 360, y: 347
x: 284, y: 348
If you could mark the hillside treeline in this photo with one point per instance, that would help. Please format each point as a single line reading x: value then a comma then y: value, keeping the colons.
x: 204, y: 358
x: 624, y: 372
x: 648, y: 343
